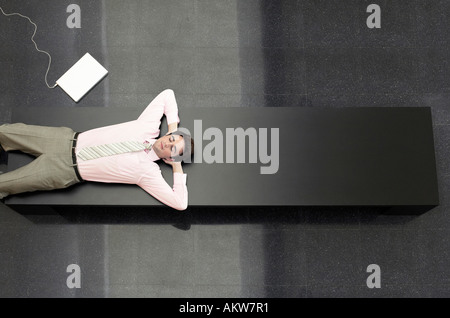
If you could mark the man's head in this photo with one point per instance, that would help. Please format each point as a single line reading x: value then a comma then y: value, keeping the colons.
x: 177, y: 145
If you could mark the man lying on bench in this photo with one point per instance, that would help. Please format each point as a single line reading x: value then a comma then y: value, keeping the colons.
x: 121, y: 153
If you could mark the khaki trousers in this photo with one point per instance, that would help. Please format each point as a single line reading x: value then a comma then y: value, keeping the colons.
x: 53, y: 167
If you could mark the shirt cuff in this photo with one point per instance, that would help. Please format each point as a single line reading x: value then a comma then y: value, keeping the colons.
x: 179, y: 178
x: 172, y: 118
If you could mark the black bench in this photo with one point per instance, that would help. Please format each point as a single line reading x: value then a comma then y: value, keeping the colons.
x: 381, y: 157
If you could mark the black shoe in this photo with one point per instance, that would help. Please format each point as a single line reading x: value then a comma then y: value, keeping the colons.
x: 3, y: 156
x: 3, y: 197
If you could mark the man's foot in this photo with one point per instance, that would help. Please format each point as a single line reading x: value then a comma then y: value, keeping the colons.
x: 3, y: 156
x: 3, y: 196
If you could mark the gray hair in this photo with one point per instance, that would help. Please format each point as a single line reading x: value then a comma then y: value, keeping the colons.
x: 188, y: 150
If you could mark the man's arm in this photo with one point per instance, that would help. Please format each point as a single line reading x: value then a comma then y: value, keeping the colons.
x: 172, y: 127
x: 176, y: 165
x: 175, y: 197
x: 163, y: 104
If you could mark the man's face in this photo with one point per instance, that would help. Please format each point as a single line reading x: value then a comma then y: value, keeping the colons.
x: 169, y: 146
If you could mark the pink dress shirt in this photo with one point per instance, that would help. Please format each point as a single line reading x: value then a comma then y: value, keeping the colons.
x: 140, y: 167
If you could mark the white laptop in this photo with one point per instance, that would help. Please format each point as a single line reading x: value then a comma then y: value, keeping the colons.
x: 82, y: 77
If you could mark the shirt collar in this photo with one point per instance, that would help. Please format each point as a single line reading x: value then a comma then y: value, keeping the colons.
x: 153, y: 156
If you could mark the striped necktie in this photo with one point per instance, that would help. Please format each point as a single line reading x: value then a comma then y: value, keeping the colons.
x: 95, y: 152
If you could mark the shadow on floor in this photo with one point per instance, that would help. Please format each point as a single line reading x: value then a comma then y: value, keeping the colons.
x: 286, y: 215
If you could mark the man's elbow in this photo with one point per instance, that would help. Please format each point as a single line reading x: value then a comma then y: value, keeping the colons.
x: 181, y: 207
x: 169, y: 91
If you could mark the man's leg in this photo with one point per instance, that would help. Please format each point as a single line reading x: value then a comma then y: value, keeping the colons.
x: 53, y: 167
x: 34, y: 140
x: 47, y: 172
